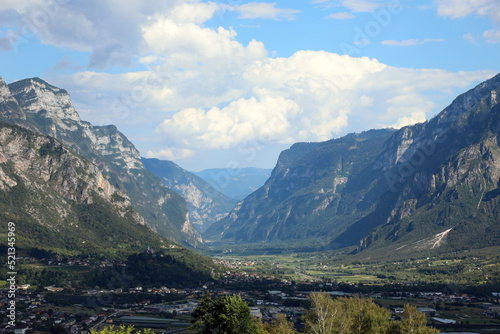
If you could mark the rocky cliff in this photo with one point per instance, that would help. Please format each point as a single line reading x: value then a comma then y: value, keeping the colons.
x: 313, y: 193
x: 447, y: 179
x: 41, y: 107
x: 206, y: 205
x: 60, y: 200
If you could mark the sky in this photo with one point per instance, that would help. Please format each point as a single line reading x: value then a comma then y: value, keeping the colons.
x: 232, y: 83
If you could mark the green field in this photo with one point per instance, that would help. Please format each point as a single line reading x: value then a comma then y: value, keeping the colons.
x: 455, y: 268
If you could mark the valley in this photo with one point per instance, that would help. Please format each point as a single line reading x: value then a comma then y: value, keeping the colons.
x: 97, y: 233
x: 269, y: 283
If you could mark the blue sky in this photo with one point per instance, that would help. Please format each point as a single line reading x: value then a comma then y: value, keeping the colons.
x: 233, y: 83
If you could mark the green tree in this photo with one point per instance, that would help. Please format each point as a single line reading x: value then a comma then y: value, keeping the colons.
x: 280, y: 325
x: 324, y: 315
x: 359, y: 316
x: 225, y: 315
x: 203, y: 318
x: 414, y: 322
x: 345, y: 315
x: 120, y: 330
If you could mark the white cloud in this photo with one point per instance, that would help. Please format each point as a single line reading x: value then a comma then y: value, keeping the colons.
x: 190, y: 12
x: 263, y: 10
x: 242, y: 120
x: 309, y: 96
x: 416, y: 117
x: 462, y: 8
x: 341, y: 16
x: 312, y: 96
x: 353, y: 5
x: 186, y: 44
x: 109, y: 30
x: 492, y: 36
x: 471, y: 38
x: 482, y: 8
x: 170, y: 154
x: 204, y: 90
x: 411, y: 42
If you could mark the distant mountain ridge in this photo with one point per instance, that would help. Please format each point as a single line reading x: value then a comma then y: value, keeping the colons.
x: 206, y: 205
x: 43, y: 108
x: 236, y: 183
x: 427, y: 187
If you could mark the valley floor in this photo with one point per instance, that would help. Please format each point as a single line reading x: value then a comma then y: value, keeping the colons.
x: 277, y: 283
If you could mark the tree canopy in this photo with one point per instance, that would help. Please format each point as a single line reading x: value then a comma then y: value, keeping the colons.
x: 359, y: 316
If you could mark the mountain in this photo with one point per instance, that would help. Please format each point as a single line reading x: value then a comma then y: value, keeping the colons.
x: 59, y: 200
x: 235, y: 183
x: 433, y: 186
x: 444, y: 178
x: 38, y: 106
x: 206, y: 205
x: 308, y: 195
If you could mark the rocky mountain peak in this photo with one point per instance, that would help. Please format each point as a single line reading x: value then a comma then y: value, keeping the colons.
x: 37, y: 95
x: 467, y: 100
x: 10, y: 106
x: 4, y: 91
x: 424, y: 136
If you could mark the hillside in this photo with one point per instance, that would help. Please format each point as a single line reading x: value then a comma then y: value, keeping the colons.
x: 60, y: 201
x: 432, y: 186
x: 206, y: 205
x: 43, y: 108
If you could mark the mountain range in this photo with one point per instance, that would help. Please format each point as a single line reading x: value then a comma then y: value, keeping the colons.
x: 429, y: 186
x: 42, y: 108
x: 433, y: 186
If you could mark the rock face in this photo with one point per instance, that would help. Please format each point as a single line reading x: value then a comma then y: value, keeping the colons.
x: 433, y: 185
x: 313, y: 193
x: 58, y: 199
x: 43, y: 108
x: 206, y: 205
x: 447, y: 179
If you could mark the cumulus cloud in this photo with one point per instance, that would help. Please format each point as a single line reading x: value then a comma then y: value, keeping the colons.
x: 244, y: 119
x: 170, y: 154
x: 312, y: 96
x: 309, y: 96
x: 202, y: 89
x: 109, y: 30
